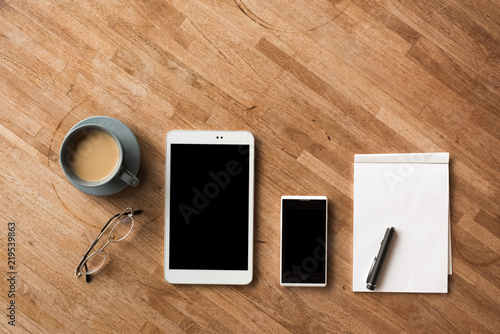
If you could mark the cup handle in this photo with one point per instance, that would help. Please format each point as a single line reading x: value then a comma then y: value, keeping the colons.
x: 129, y: 178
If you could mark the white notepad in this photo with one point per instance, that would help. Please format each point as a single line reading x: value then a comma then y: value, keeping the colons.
x: 411, y: 193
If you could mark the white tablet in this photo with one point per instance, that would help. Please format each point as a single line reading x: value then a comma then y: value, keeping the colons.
x: 209, y: 207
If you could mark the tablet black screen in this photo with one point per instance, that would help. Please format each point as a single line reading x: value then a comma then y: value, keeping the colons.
x: 209, y: 187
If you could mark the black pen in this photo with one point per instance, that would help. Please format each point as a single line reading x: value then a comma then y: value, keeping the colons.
x: 378, y: 262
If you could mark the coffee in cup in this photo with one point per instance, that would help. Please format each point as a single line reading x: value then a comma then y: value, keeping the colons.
x: 91, y: 156
x: 94, y: 155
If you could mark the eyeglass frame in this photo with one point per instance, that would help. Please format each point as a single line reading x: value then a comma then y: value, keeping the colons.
x: 113, y: 220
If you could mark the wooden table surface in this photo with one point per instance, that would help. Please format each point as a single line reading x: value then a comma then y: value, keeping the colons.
x: 315, y: 82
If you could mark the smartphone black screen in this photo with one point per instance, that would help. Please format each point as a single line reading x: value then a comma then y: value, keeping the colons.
x: 303, y: 258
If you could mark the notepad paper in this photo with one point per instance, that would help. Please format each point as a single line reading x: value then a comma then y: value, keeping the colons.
x: 411, y: 193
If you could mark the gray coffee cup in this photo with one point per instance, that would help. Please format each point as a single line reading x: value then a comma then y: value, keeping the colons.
x: 69, y: 157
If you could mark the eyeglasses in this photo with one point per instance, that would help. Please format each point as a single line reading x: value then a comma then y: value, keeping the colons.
x: 121, y: 225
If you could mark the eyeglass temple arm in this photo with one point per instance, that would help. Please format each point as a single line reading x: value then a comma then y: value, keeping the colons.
x: 87, y: 277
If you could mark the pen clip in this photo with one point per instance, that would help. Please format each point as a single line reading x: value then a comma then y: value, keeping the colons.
x: 371, y: 269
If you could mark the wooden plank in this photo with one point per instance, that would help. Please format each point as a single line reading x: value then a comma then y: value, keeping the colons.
x: 433, y: 26
x: 393, y: 23
x: 436, y: 62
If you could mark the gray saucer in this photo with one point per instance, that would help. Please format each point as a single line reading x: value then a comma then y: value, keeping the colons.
x: 131, y: 155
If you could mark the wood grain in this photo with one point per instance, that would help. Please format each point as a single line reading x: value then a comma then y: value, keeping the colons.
x: 315, y: 81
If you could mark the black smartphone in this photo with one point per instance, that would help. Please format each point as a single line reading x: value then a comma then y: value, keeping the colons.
x: 304, y: 240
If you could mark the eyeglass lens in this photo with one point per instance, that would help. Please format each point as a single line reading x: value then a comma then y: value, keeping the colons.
x: 122, y: 229
x: 95, y: 261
